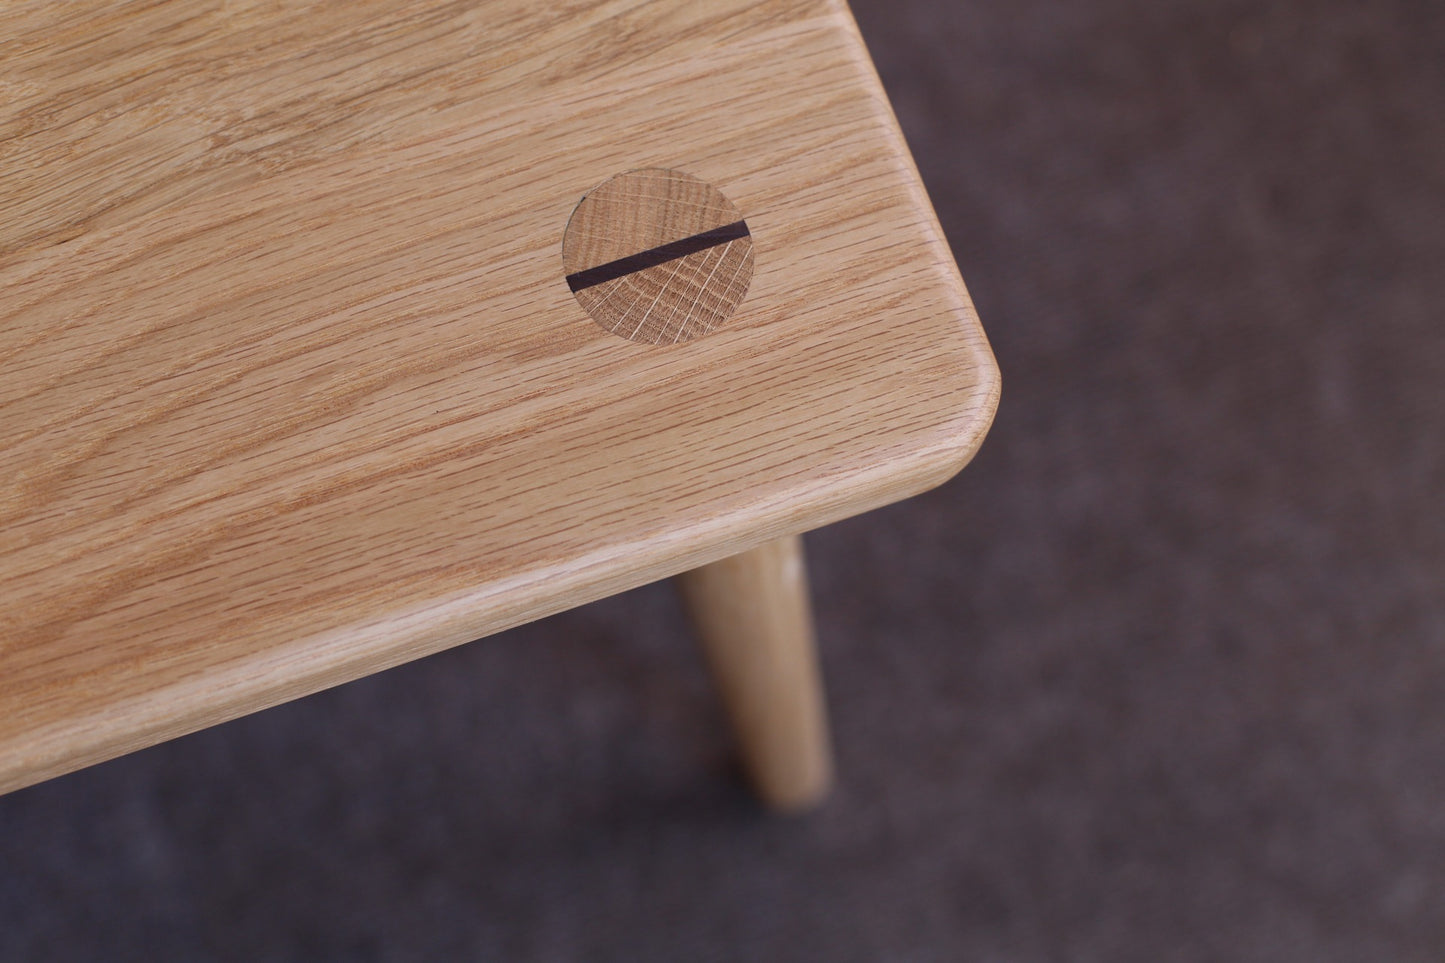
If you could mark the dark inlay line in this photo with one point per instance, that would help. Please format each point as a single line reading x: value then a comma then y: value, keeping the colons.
x: 654, y: 256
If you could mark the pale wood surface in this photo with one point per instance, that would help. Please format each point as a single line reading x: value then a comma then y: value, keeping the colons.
x: 752, y: 616
x: 292, y: 388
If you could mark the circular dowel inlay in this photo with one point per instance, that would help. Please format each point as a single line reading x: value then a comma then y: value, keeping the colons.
x: 657, y: 256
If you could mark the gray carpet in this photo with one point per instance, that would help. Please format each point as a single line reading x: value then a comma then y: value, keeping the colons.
x: 1160, y: 677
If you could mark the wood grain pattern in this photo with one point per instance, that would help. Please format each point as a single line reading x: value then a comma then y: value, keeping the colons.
x: 652, y: 210
x: 292, y: 388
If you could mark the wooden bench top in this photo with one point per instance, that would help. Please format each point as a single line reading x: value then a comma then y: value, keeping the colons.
x: 293, y: 383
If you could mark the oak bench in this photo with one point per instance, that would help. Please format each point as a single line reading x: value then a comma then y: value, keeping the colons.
x: 334, y: 334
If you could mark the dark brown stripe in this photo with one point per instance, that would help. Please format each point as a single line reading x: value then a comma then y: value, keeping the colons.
x: 652, y: 257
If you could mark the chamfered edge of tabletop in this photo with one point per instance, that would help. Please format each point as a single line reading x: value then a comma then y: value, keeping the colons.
x: 301, y: 666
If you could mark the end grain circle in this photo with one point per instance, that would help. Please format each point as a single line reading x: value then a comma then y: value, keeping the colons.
x: 657, y: 256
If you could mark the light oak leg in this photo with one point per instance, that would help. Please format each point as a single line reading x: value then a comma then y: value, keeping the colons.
x: 752, y: 616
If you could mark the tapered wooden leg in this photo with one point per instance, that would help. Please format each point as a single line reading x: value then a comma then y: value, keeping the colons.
x: 752, y: 615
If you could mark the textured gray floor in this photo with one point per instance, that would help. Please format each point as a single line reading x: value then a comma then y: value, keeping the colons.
x: 1160, y: 677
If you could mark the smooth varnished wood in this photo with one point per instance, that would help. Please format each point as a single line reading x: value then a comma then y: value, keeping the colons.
x: 292, y: 384
x: 752, y: 616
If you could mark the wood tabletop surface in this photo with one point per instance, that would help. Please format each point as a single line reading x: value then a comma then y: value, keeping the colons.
x: 294, y: 385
